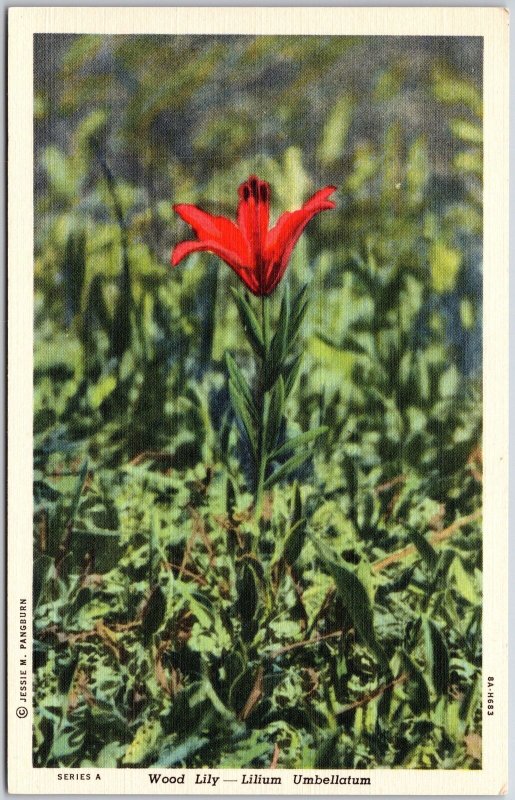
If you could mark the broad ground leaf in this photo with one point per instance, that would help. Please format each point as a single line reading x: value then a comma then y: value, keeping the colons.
x: 326, y: 756
x: 68, y: 742
x: 144, y: 743
x: 357, y: 603
x: 173, y: 754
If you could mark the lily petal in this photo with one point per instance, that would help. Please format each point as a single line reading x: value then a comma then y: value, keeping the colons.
x: 214, y: 228
x: 319, y: 201
x: 230, y: 257
x: 253, y: 214
x: 283, y: 237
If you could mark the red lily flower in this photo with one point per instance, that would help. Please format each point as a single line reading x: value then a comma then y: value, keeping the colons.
x: 259, y: 256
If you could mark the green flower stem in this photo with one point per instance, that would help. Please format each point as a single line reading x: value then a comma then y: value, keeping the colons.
x: 263, y: 405
x: 262, y: 461
x: 265, y: 322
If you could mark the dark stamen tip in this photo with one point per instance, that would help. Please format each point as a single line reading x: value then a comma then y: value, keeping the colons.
x: 253, y: 184
x: 263, y: 191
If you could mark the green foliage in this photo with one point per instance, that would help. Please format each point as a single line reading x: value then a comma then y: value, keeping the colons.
x: 173, y: 625
x: 260, y: 407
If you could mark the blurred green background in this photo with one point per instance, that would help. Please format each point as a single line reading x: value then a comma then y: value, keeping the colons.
x: 133, y: 427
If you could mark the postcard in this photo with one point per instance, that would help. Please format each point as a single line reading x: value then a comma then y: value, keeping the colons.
x: 258, y: 401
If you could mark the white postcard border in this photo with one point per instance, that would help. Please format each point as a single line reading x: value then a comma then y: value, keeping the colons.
x: 492, y: 24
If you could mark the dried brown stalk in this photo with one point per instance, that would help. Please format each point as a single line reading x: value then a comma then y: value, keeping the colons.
x: 186, y: 572
x: 275, y: 756
x: 199, y: 530
x: 436, y: 538
x: 384, y: 487
x: 150, y: 455
x: 254, y: 696
x: 305, y: 643
x: 367, y: 698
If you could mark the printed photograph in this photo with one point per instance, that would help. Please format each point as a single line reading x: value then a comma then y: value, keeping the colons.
x: 257, y: 400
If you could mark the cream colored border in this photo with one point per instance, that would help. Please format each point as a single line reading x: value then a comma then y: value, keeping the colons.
x: 492, y: 24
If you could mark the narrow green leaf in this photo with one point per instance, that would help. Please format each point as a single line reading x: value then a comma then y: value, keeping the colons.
x: 224, y: 434
x: 74, y: 269
x: 243, y: 414
x: 250, y: 601
x: 425, y: 549
x: 265, y: 418
x: 265, y: 324
x: 274, y: 415
x: 299, y: 301
x: 157, y: 550
x: 249, y: 322
x: 416, y: 689
x: 247, y: 587
x: 43, y: 566
x: 299, y: 441
x: 240, y: 383
x: 92, y: 531
x: 294, y: 541
x: 235, y: 664
x: 288, y: 549
x: 296, y: 512
x: 230, y: 497
x: 215, y: 701
x: 290, y: 374
x: 242, y: 687
x: 280, y: 341
x: 121, y: 327
x: 153, y: 613
x: 292, y: 464
x: 298, y: 310
x: 437, y: 656
x: 350, y: 471
x: 81, y: 479
x: 349, y: 344
x: 362, y: 272
x: 471, y: 700
x: 467, y: 131
x: 297, y: 322
x: 464, y: 582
